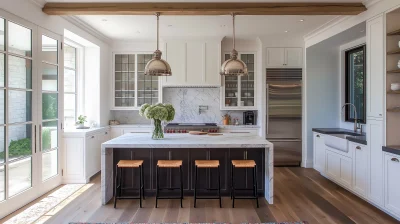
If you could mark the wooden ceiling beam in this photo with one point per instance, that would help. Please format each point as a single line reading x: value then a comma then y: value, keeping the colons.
x: 197, y: 8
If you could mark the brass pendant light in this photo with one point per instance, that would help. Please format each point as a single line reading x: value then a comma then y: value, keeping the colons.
x: 157, y: 66
x: 234, y: 66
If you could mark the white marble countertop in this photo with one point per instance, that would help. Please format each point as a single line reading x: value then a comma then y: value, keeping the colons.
x: 72, y: 132
x: 227, y: 140
x: 132, y: 126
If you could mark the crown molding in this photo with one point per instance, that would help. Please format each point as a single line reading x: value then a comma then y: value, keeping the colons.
x: 39, y: 3
x: 325, y: 27
x: 86, y: 27
x: 369, y: 3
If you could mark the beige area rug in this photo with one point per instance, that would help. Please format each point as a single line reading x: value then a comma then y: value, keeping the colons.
x: 34, y: 212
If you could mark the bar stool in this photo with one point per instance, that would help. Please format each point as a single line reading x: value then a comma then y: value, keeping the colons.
x: 169, y: 164
x: 207, y: 164
x: 244, y: 164
x: 125, y: 164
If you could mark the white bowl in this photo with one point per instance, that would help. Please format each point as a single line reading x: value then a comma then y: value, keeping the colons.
x: 395, y: 86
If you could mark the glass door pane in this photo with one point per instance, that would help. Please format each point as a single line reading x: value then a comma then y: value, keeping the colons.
x: 147, y: 85
x: 48, y: 130
x: 231, y: 89
x: 247, y: 82
x: 17, y: 119
x: 124, y: 80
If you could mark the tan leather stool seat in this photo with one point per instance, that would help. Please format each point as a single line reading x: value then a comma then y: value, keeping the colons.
x: 169, y: 163
x: 207, y: 163
x: 243, y: 163
x: 130, y: 163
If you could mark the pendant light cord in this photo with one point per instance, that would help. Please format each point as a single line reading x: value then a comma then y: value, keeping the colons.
x: 233, y: 21
x: 158, y: 15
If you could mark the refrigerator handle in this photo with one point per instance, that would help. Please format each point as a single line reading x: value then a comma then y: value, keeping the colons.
x: 267, y: 110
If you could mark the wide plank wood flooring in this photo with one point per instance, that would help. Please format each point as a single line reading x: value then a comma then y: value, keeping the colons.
x: 300, y: 194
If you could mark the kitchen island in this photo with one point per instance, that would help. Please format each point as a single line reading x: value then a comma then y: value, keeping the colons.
x: 186, y: 147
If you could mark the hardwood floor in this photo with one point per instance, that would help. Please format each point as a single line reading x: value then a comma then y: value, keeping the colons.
x: 300, y: 194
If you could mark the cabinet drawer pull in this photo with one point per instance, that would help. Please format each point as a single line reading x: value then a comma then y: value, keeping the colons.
x: 358, y: 147
x: 395, y: 160
x: 106, y: 133
x: 92, y: 136
x: 318, y: 136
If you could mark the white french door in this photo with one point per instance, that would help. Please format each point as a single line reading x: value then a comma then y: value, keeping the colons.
x: 29, y: 72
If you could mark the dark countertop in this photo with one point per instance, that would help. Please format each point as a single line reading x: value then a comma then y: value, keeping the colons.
x: 392, y: 149
x: 361, y: 138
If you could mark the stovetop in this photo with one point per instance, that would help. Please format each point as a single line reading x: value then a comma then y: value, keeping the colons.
x: 191, y: 124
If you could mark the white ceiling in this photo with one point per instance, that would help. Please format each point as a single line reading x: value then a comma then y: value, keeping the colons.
x: 280, y: 1
x: 126, y: 27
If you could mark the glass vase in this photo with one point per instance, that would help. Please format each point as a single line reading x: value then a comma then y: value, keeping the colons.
x: 158, y: 132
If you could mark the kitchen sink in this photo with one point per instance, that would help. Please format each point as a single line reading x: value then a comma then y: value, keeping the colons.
x: 344, y: 136
x: 337, y: 141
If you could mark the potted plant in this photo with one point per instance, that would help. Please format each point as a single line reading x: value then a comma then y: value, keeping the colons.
x: 159, y: 112
x: 81, y: 121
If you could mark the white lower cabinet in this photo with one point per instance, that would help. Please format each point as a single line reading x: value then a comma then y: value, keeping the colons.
x: 83, y: 155
x: 392, y: 182
x: 319, y: 152
x: 360, y: 168
x: 374, y: 131
x: 339, y: 168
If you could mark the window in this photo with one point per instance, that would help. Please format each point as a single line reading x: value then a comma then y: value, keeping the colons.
x: 355, y: 83
x: 70, y: 87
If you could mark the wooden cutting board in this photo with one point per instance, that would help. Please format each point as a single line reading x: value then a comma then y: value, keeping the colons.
x: 197, y: 133
x: 214, y: 134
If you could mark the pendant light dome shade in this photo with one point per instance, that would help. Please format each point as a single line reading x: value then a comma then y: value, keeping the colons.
x: 234, y: 66
x: 157, y: 66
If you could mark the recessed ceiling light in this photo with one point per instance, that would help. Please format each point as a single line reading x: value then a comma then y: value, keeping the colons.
x: 104, y: 20
x: 286, y: 31
x: 169, y: 25
x: 138, y: 31
x: 223, y: 25
x: 302, y: 20
x: 362, y: 31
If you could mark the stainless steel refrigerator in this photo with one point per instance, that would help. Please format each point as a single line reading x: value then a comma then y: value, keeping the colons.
x: 284, y: 115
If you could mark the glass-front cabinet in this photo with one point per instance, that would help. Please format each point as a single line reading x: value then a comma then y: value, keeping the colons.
x: 132, y: 88
x: 238, y: 93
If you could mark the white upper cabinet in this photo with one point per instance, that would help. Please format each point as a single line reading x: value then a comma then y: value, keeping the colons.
x: 284, y: 57
x: 294, y: 57
x: 375, y: 68
x: 193, y: 63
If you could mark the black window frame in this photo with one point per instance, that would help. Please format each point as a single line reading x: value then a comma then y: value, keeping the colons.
x: 347, y: 87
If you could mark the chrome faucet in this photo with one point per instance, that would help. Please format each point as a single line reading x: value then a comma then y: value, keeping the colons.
x: 355, y: 115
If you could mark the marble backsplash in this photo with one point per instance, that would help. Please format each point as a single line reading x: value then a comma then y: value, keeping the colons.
x: 186, y: 102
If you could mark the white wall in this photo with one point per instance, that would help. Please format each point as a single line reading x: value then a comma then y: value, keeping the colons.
x: 31, y: 12
x: 321, y: 92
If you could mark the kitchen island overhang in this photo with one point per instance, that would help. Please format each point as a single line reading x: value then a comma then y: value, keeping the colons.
x: 139, y: 141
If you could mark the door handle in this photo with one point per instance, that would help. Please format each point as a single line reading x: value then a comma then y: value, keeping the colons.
x: 395, y: 160
x: 40, y: 137
x: 35, y: 139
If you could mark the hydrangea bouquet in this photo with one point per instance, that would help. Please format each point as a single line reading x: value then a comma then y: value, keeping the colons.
x: 159, y: 112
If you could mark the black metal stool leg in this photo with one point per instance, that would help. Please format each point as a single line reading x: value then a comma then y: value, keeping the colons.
x: 231, y: 180
x: 140, y: 187
x: 142, y: 179
x: 116, y: 186
x: 180, y: 171
x: 256, y: 187
x: 120, y: 182
x: 157, y: 184
x: 219, y: 187
x: 195, y: 185
x: 233, y: 187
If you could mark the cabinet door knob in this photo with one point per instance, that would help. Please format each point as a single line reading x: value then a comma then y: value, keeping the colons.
x: 317, y: 136
x: 380, y: 114
x: 395, y: 160
x: 358, y: 147
x: 106, y: 132
x: 92, y: 136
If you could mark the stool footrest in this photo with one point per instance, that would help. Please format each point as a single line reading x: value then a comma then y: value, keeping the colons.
x: 244, y: 189
x: 167, y: 188
x: 169, y: 197
x: 126, y: 197
x: 246, y: 197
x: 207, y: 189
x: 207, y: 197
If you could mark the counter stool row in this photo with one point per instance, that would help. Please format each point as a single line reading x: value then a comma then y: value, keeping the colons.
x: 199, y: 164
